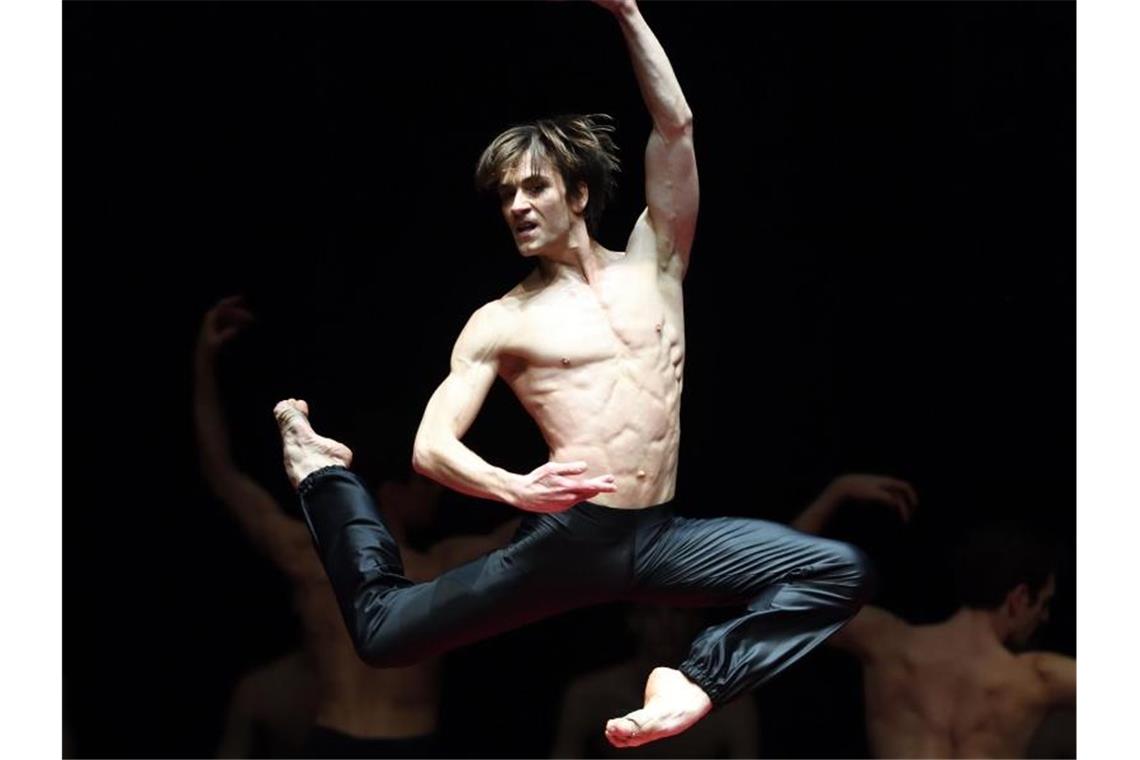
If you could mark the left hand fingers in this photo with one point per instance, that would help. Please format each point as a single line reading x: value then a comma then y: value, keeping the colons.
x: 235, y: 313
x: 903, y: 508
x: 905, y: 491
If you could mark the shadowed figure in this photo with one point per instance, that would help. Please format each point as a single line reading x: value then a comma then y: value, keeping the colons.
x: 955, y: 688
x: 272, y: 709
x: 322, y: 701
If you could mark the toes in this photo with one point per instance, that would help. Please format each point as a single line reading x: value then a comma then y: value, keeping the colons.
x: 620, y: 730
x: 289, y: 409
x: 617, y: 732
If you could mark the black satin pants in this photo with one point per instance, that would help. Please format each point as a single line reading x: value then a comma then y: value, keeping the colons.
x: 793, y: 590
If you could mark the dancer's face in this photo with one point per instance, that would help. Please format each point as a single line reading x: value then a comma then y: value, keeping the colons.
x: 1028, y: 616
x: 532, y: 196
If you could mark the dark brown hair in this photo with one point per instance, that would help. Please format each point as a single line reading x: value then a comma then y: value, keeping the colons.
x: 579, y: 147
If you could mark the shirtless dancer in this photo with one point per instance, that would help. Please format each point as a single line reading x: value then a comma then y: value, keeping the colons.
x: 339, y: 706
x: 593, y: 345
x: 953, y: 689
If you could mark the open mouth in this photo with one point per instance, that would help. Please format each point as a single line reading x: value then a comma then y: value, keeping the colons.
x: 526, y: 227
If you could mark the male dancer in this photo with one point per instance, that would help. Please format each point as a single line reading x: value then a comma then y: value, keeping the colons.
x: 593, y: 345
x: 954, y: 688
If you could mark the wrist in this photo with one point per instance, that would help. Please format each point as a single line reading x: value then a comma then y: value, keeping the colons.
x: 827, y: 502
x: 625, y: 11
x: 835, y: 491
x: 508, y: 487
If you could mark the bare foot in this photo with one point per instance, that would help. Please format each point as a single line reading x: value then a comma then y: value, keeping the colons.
x: 673, y: 703
x: 305, y: 451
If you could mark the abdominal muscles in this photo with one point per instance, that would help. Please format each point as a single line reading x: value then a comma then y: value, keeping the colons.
x: 618, y: 409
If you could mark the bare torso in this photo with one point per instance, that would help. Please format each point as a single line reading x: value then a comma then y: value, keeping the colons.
x: 937, y: 693
x: 599, y: 366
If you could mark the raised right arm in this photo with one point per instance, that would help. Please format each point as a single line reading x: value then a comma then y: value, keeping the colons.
x: 439, y: 452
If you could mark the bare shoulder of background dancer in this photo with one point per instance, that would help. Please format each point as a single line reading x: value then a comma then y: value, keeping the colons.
x: 954, y: 688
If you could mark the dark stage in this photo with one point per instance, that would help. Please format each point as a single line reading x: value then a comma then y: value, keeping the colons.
x: 883, y: 280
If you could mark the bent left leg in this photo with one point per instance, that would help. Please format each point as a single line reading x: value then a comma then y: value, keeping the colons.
x: 795, y: 590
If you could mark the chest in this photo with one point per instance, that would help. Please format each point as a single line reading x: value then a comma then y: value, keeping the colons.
x: 624, y: 313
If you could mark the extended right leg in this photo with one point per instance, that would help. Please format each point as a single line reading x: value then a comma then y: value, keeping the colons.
x: 393, y: 621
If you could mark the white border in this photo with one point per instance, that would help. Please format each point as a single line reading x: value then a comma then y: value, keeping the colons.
x: 31, y: 393
x: 1108, y: 343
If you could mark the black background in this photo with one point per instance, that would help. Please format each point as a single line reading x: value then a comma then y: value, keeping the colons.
x: 883, y: 280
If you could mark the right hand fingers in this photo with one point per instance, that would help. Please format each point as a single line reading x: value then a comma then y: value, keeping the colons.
x: 567, y: 468
x: 602, y: 482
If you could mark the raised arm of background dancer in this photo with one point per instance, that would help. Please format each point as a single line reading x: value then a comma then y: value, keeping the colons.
x: 440, y: 454
x: 283, y: 539
x: 894, y: 493
x: 873, y: 632
x: 671, y: 187
x: 1059, y: 675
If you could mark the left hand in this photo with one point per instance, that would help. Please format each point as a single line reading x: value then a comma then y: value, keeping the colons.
x: 894, y: 493
x: 222, y: 322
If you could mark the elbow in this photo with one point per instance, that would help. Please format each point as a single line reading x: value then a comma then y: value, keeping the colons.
x: 675, y: 124
x: 681, y: 125
x: 685, y: 120
x: 371, y: 656
x: 381, y: 652
x: 424, y: 459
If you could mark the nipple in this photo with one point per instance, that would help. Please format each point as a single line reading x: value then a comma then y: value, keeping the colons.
x: 658, y: 326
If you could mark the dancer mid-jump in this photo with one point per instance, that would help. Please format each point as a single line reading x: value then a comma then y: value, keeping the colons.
x: 593, y: 345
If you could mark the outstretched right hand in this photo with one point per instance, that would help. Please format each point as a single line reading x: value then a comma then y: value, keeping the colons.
x: 554, y: 487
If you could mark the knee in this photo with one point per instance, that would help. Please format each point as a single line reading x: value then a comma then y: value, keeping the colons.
x: 851, y: 573
x: 378, y: 652
x: 376, y: 657
x: 376, y: 644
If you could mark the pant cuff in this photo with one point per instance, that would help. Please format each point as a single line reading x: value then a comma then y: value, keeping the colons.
x: 311, y: 480
x: 701, y: 678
